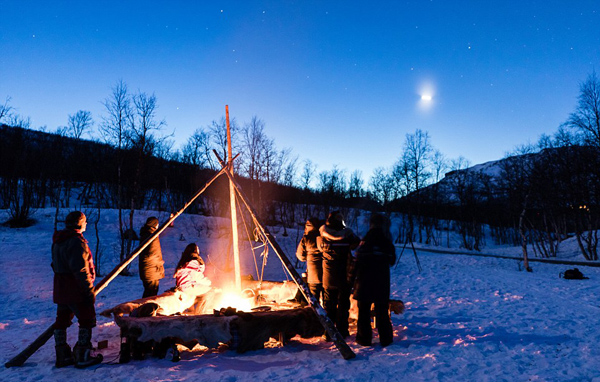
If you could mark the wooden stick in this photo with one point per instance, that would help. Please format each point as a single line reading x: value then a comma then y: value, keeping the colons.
x: 20, y: 358
x: 328, y: 325
x: 234, y: 224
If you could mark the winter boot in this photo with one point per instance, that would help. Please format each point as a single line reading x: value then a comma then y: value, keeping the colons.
x: 63, y: 350
x: 84, y: 357
x: 172, y: 353
x: 83, y: 350
x: 64, y: 357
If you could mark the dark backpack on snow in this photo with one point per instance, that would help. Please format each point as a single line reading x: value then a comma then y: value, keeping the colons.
x: 573, y: 274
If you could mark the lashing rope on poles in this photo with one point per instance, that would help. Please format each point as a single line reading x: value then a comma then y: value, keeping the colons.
x: 257, y: 237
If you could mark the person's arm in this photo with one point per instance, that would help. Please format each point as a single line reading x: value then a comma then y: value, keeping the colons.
x: 320, y: 243
x: 392, y: 253
x: 80, y: 266
x: 200, y: 283
x: 353, y: 240
x: 301, y: 250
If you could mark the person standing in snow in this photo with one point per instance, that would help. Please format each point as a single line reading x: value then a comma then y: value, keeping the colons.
x: 151, y: 264
x: 308, y: 252
x: 73, y: 292
x: 190, y: 279
x: 336, y: 242
x: 374, y: 257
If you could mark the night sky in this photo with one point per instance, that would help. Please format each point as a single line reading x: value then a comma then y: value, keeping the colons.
x: 339, y: 82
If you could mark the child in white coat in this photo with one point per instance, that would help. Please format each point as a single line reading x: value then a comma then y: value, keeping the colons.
x: 190, y: 279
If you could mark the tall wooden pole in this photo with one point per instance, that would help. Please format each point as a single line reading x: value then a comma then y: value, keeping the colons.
x: 234, y: 225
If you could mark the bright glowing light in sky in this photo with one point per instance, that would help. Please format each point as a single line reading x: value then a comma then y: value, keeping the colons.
x: 426, y: 91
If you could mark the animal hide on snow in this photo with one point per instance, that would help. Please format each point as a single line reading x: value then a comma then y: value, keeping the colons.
x: 272, y: 291
x: 206, y: 329
x: 251, y: 330
x: 257, y: 328
x: 168, y: 298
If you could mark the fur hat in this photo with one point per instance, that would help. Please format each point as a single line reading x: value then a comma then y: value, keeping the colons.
x: 75, y: 220
x: 152, y: 221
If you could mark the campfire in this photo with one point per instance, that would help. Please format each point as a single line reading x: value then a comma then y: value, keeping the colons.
x: 241, y: 301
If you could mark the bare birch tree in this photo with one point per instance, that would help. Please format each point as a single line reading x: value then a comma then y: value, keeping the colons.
x: 198, y: 150
x: 308, y: 172
x: 114, y: 128
x: 79, y: 123
x: 218, y: 135
x: 586, y: 117
x: 355, y: 185
x: 5, y: 109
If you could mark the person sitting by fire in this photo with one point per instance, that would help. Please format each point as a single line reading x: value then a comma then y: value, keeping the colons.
x: 190, y: 294
x: 190, y: 280
x: 308, y: 252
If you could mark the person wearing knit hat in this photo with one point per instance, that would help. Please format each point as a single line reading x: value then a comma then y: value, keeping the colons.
x: 151, y: 264
x: 75, y: 220
x: 74, y: 275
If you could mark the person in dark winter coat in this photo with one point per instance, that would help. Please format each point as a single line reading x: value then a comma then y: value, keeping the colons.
x: 309, y: 252
x: 336, y: 242
x: 73, y: 292
x: 374, y: 257
x: 151, y: 264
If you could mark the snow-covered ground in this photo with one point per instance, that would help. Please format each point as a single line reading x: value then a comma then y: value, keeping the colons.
x: 467, y: 318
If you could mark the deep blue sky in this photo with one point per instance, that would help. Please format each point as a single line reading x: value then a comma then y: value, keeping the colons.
x: 337, y: 81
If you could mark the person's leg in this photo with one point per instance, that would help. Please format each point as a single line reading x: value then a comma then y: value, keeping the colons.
x: 343, y: 311
x: 64, y: 319
x: 150, y: 288
x: 330, y: 297
x: 330, y: 301
x: 384, y: 323
x: 316, y: 290
x: 363, y: 327
x: 86, y: 315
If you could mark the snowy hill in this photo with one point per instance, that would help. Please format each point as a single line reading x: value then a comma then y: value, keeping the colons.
x: 467, y: 318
